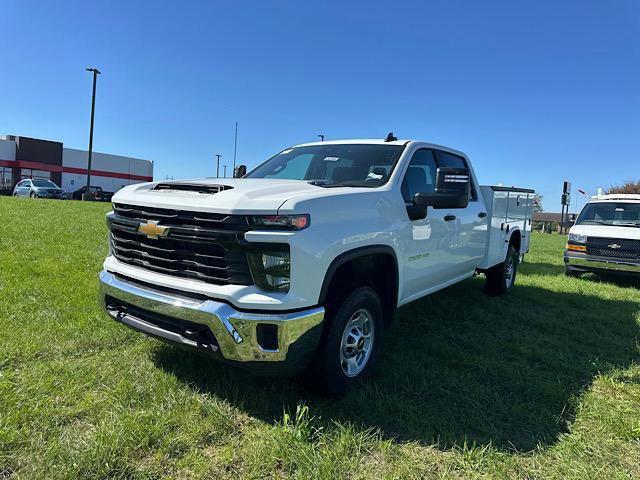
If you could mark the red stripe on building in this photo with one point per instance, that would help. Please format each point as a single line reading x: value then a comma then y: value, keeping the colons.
x: 80, y: 171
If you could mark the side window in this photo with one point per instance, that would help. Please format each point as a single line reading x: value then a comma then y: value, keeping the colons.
x: 420, y: 177
x: 449, y: 160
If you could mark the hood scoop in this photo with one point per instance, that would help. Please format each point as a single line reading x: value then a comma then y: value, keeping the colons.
x: 191, y: 187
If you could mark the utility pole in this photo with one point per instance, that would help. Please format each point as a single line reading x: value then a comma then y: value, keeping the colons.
x: 321, y: 137
x: 218, y: 165
x: 224, y: 175
x: 235, y: 148
x: 88, y: 195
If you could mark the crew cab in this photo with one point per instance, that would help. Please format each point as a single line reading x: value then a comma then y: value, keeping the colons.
x: 605, y: 237
x: 299, y: 265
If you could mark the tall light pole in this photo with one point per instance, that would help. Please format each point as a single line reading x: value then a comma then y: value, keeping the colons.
x: 88, y: 195
x: 321, y: 137
x: 218, y: 165
x: 235, y: 148
x: 224, y: 175
x: 582, y: 192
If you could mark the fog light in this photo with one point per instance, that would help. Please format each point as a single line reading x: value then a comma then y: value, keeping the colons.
x: 267, y: 336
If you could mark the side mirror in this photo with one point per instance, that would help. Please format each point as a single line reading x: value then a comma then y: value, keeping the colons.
x: 240, y: 171
x: 452, y: 190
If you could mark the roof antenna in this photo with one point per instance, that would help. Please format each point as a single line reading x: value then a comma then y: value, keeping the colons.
x: 390, y: 137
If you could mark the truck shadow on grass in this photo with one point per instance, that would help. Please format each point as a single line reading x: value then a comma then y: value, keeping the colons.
x: 457, y: 366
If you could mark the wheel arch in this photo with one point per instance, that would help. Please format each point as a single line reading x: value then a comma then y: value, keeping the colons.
x: 515, y: 239
x: 365, y: 259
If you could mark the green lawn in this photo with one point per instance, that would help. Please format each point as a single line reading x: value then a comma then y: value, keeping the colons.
x: 544, y: 383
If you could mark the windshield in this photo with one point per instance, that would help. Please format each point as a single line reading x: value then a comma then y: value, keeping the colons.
x: 351, y: 165
x: 44, y: 184
x: 610, y: 213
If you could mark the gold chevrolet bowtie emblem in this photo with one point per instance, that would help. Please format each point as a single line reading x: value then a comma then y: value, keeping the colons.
x: 152, y: 230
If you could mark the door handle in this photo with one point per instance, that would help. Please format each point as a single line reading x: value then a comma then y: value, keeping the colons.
x: 449, y: 218
x: 482, y: 214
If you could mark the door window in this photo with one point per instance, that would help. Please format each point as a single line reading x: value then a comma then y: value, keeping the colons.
x: 420, y: 177
x: 449, y: 160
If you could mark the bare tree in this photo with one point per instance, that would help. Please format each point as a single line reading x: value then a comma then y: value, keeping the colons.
x: 630, y: 186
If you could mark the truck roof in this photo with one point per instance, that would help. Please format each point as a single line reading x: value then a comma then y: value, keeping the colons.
x: 360, y: 141
x: 378, y: 141
x: 616, y: 197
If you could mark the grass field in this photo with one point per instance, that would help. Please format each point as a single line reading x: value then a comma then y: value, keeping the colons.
x: 544, y: 383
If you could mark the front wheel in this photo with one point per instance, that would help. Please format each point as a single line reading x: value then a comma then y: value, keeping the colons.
x: 500, y: 278
x: 351, y: 344
x: 569, y: 272
x: 33, y: 195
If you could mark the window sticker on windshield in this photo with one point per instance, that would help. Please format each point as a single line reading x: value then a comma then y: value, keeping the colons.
x: 619, y: 209
x: 284, y: 152
x: 331, y: 159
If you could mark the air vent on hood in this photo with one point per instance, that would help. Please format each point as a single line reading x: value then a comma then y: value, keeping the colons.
x: 192, y: 187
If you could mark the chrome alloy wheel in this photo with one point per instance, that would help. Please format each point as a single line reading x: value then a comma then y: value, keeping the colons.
x: 357, y: 343
x: 510, y: 271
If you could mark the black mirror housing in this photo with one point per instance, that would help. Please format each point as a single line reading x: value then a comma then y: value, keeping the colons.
x: 452, y: 190
x: 240, y: 171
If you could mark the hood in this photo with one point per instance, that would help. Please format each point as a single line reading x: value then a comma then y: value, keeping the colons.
x: 607, y: 231
x: 49, y: 189
x: 235, y: 195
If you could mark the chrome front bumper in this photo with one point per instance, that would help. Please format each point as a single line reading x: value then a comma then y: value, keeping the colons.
x: 235, y: 332
x: 586, y: 262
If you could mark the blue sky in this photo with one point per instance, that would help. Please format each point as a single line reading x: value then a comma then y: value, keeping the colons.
x: 534, y: 92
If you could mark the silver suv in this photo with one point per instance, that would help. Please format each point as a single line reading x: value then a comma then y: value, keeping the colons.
x: 37, y: 188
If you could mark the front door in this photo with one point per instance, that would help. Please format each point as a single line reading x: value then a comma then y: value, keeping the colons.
x: 427, y: 242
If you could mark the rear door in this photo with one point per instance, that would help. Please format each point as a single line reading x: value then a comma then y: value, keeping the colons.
x: 24, y: 188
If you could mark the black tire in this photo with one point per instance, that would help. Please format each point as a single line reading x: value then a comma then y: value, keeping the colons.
x: 569, y: 272
x: 502, y: 277
x: 328, y: 370
x: 33, y: 195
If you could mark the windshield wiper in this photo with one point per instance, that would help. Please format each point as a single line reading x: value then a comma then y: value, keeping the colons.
x: 637, y: 225
x: 353, y: 183
x: 319, y: 183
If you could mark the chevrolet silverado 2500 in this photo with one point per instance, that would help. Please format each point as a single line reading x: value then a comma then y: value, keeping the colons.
x: 301, y: 263
x: 605, y: 237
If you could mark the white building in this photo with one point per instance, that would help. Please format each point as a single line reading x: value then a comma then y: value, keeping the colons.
x: 24, y: 157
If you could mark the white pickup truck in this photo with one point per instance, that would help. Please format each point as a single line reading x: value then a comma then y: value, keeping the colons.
x: 605, y: 237
x: 300, y: 264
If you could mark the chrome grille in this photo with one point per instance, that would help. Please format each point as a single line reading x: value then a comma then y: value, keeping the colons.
x: 200, y: 246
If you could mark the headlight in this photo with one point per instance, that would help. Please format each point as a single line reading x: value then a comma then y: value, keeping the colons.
x: 271, y: 269
x: 577, y: 238
x: 284, y: 222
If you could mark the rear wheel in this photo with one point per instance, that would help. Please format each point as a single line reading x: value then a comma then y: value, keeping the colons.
x: 351, y: 344
x: 500, y: 278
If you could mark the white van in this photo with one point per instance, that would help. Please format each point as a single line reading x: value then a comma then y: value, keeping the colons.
x: 606, y: 236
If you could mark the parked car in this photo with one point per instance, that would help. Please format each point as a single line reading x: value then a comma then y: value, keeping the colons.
x: 38, y: 188
x: 605, y: 237
x: 98, y: 194
x: 301, y: 264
